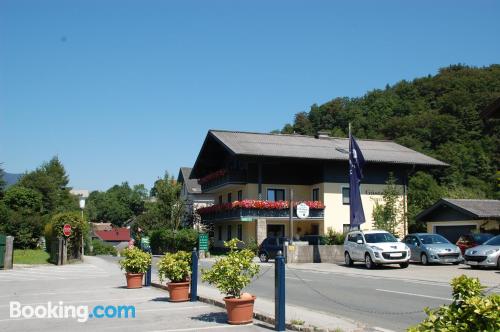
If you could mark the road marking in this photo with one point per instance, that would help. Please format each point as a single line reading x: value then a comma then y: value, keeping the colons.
x: 201, y: 328
x: 301, y: 279
x: 413, y: 294
x: 173, y: 309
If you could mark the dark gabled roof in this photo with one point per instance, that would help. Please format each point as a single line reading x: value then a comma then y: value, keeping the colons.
x: 192, y: 185
x: 309, y: 147
x: 476, y: 208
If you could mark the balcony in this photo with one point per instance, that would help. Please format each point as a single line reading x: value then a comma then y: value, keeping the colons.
x: 245, y: 214
x: 221, y: 178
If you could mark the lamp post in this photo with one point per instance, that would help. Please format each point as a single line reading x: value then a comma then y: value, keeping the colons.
x: 82, y: 206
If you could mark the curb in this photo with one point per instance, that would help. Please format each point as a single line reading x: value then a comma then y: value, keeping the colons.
x: 256, y: 315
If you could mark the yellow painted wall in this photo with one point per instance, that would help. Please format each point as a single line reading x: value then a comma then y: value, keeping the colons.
x: 248, y: 231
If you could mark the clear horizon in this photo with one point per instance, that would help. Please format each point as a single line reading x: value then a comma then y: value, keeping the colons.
x: 125, y: 90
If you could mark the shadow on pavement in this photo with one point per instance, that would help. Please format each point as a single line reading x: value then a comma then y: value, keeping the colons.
x: 213, y: 317
x: 161, y: 299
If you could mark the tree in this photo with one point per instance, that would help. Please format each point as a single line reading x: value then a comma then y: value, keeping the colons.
x: 2, y: 180
x: 423, y: 192
x: 25, y: 200
x: 389, y: 215
x: 171, y: 207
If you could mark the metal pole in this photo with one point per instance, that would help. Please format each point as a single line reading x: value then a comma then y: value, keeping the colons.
x: 279, y: 292
x: 194, y: 275
x: 147, y: 282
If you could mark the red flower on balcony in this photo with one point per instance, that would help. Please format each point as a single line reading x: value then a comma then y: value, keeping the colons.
x: 212, y: 176
x: 313, y: 205
x: 257, y: 204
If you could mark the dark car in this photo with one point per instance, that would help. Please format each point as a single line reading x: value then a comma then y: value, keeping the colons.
x: 471, y: 240
x: 270, y: 247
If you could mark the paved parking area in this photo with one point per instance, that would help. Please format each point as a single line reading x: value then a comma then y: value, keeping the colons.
x: 98, y: 283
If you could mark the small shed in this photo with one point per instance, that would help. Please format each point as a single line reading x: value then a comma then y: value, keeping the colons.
x: 454, y: 217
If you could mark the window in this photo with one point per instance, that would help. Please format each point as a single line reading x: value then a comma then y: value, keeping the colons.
x: 220, y: 200
x: 219, y: 231
x: 229, y: 198
x: 351, y: 237
x: 229, y: 235
x: 315, y: 194
x: 240, y: 232
x: 240, y: 195
x: 275, y: 194
x: 345, y: 195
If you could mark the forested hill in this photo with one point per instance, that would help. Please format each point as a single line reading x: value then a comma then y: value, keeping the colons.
x: 437, y: 115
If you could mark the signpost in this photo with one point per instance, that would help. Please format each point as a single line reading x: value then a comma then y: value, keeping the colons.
x: 202, y: 242
x: 302, y: 211
x: 67, y: 230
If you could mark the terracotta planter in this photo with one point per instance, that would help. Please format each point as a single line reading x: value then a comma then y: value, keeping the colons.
x: 239, y: 311
x: 179, y: 291
x: 134, y: 280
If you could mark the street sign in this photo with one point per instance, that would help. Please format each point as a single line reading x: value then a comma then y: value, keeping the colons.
x: 203, y: 242
x: 302, y: 211
x: 67, y: 230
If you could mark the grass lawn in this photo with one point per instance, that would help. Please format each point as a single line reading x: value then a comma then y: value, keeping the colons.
x: 30, y: 256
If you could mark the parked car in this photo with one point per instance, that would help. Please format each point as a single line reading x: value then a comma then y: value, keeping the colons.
x: 487, y: 254
x: 270, y: 247
x: 471, y: 240
x: 432, y: 248
x: 374, y: 248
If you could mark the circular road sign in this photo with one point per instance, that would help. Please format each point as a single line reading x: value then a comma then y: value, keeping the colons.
x: 67, y: 230
x: 302, y: 211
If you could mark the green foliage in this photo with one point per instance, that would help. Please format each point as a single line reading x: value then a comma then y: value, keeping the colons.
x: 102, y: 248
x: 23, y: 199
x: 175, y: 266
x: 253, y: 246
x: 423, y: 191
x: 79, y: 228
x: 30, y: 256
x: 171, y: 209
x: 25, y: 228
x: 333, y: 238
x: 389, y: 215
x: 437, y: 115
x: 2, y: 181
x: 470, y: 310
x: 168, y: 240
x: 135, y: 260
x: 234, y: 272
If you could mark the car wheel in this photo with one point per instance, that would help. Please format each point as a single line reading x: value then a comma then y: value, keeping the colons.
x: 404, y: 265
x: 424, y: 259
x: 263, y: 257
x: 456, y: 263
x: 347, y: 259
x: 369, y: 262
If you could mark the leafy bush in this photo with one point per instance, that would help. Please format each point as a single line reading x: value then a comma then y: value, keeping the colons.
x: 135, y: 261
x: 234, y: 272
x: 470, y: 310
x: 102, y: 248
x: 176, y: 267
x: 167, y: 240
x: 334, y: 238
x: 79, y: 227
x: 252, y: 246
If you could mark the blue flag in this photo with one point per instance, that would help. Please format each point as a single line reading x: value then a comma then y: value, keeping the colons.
x: 356, y: 162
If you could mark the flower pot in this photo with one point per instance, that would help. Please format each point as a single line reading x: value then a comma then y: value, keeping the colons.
x: 239, y: 311
x: 134, y: 280
x: 179, y: 291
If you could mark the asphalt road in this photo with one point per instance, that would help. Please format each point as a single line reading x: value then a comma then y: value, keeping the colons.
x: 388, y: 297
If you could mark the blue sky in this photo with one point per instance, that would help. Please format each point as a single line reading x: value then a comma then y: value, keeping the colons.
x: 124, y: 90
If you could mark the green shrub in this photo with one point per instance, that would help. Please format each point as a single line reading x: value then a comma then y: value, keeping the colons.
x: 79, y: 226
x: 175, y: 267
x: 102, y: 248
x: 135, y: 260
x: 252, y: 246
x: 333, y: 238
x: 234, y: 272
x: 167, y: 240
x: 470, y: 310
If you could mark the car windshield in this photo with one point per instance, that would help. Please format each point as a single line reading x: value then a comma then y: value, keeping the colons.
x: 481, y: 238
x: 494, y: 241
x: 434, y: 238
x: 379, y: 237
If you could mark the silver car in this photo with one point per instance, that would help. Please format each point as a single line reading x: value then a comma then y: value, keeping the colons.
x: 432, y: 248
x: 487, y: 254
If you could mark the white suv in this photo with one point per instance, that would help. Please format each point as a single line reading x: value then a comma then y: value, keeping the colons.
x: 374, y: 248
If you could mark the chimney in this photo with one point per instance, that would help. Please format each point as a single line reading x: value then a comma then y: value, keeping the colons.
x: 322, y: 134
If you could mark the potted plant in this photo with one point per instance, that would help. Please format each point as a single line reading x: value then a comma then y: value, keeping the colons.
x: 230, y: 275
x: 135, y: 263
x: 177, y: 268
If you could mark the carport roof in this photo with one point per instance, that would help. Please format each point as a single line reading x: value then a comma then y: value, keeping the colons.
x: 476, y: 208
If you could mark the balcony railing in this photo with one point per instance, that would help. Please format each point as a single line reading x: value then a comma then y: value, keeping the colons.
x: 242, y: 214
x: 227, y: 177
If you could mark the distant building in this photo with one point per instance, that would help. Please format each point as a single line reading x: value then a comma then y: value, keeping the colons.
x: 82, y: 193
x: 455, y: 217
x: 192, y: 194
x: 118, y: 237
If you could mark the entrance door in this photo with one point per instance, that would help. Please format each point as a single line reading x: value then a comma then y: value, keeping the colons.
x: 275, y: 230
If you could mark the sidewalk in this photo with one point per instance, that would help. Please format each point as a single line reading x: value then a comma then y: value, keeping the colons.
x: 264, y: 311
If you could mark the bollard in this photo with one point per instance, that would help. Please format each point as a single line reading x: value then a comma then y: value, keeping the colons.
x: 279, y: 292
x: 147, y: 280
x: 194, y: 276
